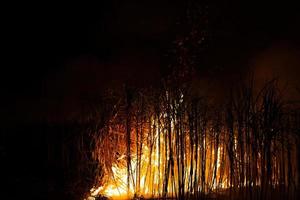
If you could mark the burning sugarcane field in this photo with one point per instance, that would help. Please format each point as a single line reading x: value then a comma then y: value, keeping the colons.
x: 151, y: 100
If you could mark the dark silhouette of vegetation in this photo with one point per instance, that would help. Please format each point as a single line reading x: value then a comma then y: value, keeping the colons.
x: 245, y: 148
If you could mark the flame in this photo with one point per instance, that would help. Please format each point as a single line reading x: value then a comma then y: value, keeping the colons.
x: 147, y: 169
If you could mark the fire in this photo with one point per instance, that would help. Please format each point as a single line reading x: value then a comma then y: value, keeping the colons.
x: 155, y: 169
x: 165, y: 147
x: 117, y: 186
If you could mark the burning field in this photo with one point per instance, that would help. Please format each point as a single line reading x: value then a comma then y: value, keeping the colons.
x: 173, y: 144
x: 181, y: 99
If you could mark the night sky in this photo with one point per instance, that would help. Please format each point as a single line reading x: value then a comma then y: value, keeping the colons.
x: 61, y: 55
x: 58, y: 58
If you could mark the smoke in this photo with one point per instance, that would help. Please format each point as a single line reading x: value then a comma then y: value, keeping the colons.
x: 279, y: 61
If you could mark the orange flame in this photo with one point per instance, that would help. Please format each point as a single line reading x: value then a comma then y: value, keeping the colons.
x: 148, y: 169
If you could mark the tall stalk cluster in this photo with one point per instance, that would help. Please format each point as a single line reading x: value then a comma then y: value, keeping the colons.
x: 175, y: 144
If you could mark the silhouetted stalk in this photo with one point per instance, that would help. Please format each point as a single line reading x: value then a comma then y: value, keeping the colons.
x: 193, y: 148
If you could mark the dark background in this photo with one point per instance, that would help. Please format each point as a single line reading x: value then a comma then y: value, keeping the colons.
x: 59, y: 57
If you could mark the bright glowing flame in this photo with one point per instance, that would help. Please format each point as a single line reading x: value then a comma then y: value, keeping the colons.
x: 155, y: 169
